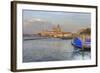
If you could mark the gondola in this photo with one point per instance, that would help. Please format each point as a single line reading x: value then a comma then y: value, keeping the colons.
x: 79, y: 44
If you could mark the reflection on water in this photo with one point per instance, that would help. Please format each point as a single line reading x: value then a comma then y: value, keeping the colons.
x: 52, y: 49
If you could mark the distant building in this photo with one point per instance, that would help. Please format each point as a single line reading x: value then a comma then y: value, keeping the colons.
x: 56, y: 32
x: 84, y: 34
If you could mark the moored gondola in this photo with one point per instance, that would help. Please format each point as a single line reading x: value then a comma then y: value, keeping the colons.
x: 79, y: 44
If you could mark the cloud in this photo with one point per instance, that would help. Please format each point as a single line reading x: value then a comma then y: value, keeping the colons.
x: 36, y: 19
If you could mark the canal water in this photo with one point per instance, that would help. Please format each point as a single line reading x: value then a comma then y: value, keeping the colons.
x: 52, y: 49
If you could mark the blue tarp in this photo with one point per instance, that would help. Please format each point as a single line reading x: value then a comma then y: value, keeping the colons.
x: 77, y: 42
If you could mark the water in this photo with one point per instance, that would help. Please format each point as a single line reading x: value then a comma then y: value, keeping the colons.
x: 51, y: 49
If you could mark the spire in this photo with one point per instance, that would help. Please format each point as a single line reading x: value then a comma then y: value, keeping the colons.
x: 58, y: 28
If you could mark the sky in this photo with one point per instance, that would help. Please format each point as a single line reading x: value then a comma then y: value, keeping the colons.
x: 36, y: 21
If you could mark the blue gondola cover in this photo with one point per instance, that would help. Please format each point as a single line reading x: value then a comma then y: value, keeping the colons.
x: 77, y: 42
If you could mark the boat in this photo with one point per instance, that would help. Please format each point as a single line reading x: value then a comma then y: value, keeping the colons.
x: 78, y: 43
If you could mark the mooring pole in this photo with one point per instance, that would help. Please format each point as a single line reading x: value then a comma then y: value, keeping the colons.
x: 83, y: 40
